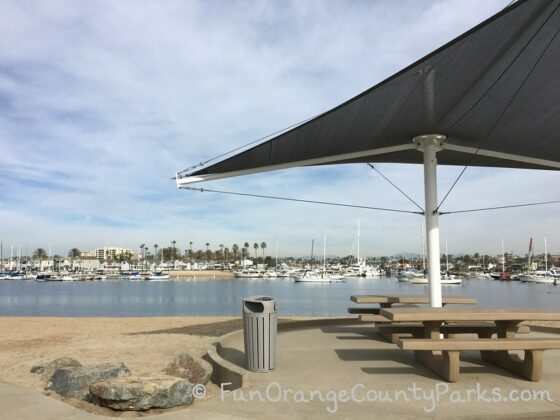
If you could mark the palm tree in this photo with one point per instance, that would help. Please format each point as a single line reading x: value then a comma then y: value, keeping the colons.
x: 74, y: 253
x: 235, y: 250
x: 256, y: 246
x: 142, y: 248
x: 226, y: 254
x: 155, y: 253
x: 173, y: 243
x: 207, y: 252
x: 222, y: 251
x: 245, y: 252
x: 40, y: 254
x: 190, y: 250
x: 263, y: 247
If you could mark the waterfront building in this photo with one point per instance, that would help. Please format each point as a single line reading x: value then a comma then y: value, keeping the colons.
x: 106, y: 253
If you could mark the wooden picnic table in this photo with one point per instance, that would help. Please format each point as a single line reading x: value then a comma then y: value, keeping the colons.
x: 492, y: 350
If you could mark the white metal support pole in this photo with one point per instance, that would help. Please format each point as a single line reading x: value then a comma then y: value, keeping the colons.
x: 430, y: 144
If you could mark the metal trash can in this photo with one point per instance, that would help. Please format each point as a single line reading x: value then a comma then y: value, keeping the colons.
x: 259, y: 331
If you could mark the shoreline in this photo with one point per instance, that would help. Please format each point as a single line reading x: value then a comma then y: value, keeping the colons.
x: 200, y: 275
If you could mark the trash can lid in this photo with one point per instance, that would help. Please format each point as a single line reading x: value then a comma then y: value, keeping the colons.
x: 265, y: 304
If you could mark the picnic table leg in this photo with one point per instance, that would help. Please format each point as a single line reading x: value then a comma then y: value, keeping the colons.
x: 530, y: 367
x: 390, y: 337
x: 445, y: 363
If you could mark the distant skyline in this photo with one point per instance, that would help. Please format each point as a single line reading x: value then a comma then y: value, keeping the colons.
x: 102, y: 102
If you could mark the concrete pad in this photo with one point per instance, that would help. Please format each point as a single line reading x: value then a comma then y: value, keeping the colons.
x: 324, y: 361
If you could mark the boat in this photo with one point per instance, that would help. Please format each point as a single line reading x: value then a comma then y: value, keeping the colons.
x: 538, y: 276
x: 406, y: 276
x: 67, y: 277
x: 135, y: 276
x: 418, y: 280
x: 448, y: 278
x: 47, y: 277
x: 445, y: 280
x: 319, y: 276
x: 251, y: 273
x: 312, y: 276
x: 158, y: 276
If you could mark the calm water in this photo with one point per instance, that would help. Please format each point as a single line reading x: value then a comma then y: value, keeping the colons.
x: 223, y: 297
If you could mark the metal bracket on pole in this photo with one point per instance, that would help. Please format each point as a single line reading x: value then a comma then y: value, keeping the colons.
x: 429, y: 145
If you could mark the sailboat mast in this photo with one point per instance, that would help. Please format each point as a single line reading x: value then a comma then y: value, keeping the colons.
x: 312, y: 243
x: 423, y: 248
x: 276, y: 254
x: 529, y: 253
x: 545, y: 257
x: 503, y: 258
x: 324, y: 253
x: 446, y: 257
x: 358, y: 241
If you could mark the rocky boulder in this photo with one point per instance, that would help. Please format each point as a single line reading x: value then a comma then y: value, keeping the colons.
x: 141, y: 393
x: 46, y: 370
x: 193, y: 369
x: 74, y: 382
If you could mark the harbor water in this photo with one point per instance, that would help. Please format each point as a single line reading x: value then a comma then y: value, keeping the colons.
x: 223, y: 297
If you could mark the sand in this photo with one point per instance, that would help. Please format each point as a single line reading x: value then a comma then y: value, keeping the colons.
x: 145, y: 345
x: 200, y: 274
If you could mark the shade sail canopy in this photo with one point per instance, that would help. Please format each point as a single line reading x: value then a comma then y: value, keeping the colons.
x: 494, y: 92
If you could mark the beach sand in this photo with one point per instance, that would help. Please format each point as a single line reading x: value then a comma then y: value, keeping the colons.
x: 200, y: 274
x: 144, y: 345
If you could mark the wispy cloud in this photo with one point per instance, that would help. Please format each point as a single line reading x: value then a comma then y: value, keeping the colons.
x: 100, y: 102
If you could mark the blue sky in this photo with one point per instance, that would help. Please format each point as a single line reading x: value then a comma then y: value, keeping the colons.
x: 102, y: 101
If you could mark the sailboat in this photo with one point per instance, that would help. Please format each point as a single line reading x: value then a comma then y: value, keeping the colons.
x: 448, y: 278
x: 420, y: 277
x: 537, y: 276
x: 316, y: 276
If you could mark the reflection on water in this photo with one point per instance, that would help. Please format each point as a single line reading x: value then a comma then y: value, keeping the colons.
x: 223, y: 297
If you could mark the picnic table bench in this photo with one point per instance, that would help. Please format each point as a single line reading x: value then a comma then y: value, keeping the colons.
x: 441, y: 355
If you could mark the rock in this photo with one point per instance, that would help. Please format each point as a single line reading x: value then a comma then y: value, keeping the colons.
x: 141, y: 393
x: 194, y: 369
x: 48, y: 369
x: 38, y: 368
x: 74, y: 381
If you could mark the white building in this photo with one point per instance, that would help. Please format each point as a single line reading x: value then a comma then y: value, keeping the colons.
x: 106, y: 253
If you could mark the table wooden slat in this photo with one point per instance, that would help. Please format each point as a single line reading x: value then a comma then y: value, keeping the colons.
x: 416, y: 299
x: 493, y: 344
x: 369, y: 298
x: 468, y: 314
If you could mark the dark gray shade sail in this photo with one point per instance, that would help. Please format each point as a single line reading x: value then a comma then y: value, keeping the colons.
x: 493, y: 91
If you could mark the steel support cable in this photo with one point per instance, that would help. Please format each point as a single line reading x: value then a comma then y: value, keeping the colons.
x: 397, y: 188
x: 298, y: 200
x: 506, y: 108
x: 511, y: 206
x: 250, y: 143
